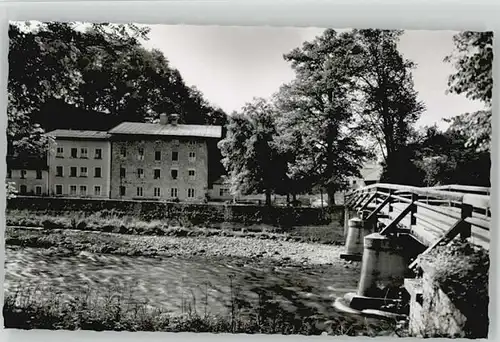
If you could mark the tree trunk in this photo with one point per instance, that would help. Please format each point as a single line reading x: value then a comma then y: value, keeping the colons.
x: 331, y: 195
x: 287, y: 199
x: 268, y: 197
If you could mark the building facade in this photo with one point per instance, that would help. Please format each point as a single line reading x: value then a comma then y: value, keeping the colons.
x: 221, y: 190
x: 162, y: 161
x: 28, y: 176
x: 79, y: 164
x: 370, y: 174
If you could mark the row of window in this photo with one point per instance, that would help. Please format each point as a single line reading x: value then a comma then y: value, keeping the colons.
x: 23, y: 189
x: 158, y: 155
x: 84, y: 152
x: 73, y: 171
x: 174, y: 173
x: 174, y: 192
x: 123, y: 149
x: 80, y: 190
x: 24, y: 173
x: 224, y: 192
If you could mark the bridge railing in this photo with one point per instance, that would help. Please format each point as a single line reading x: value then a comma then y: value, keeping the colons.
x: 434, y: 214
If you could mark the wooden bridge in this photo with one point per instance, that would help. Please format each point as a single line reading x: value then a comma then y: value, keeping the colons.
x: 388, y: 227
x: 431, y: 215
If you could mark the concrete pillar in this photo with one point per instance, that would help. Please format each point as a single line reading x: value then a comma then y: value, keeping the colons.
x: 357, y: 230
x: 383, y: 265
x: 348, y: 214
x: 346, y: 221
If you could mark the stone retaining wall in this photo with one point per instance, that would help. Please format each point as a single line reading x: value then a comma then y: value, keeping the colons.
x: 432, y: 313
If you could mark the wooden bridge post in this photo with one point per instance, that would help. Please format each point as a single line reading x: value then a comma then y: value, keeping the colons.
x: 413, y: 219
x: 390, y: 201
x: 466, y: 212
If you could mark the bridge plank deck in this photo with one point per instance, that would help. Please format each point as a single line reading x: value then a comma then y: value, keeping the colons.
x: 432, y: 225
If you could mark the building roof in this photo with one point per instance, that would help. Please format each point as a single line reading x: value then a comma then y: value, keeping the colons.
x: 139, y: 128
x: 78, y: 134
x: 222, y: 180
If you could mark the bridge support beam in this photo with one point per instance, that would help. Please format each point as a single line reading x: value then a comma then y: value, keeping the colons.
x: 358, y: 229
x: 384, y: 265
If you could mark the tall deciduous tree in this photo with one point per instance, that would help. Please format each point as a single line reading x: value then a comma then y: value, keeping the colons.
x: 389, y: 105
x: 316, y: 114
x: 473, y: 60
x: 249, y: 151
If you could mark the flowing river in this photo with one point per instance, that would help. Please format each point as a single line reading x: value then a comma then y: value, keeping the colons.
x: 170, y: 283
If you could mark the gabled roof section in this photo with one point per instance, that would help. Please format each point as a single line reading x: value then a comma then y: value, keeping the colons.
x: 78, y: 134
x: 222, y: 180
x: 139, y: 128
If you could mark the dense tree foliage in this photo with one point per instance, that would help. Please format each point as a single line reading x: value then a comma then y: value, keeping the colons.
x: 473, y: 60
x: 250, y: 153
x: 317, y: 113
x: 389, y: 102
x: 444, y: 159
x: 348, y: 87
x: 100, y: 69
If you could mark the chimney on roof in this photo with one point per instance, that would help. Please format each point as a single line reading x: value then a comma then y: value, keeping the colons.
x: 163, y: 119
x: 174, y: 118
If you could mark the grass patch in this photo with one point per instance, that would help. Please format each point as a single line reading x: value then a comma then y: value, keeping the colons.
x: 93, y: 311
x: 319, y: 234
x: 462, y: 272
x: 115, y: 222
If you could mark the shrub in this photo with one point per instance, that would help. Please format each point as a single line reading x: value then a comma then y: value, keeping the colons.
x: 187, y: 213
x: 462, y: 271
x: 81, y: 225
x: 109, y: 222
x: 52, y: 223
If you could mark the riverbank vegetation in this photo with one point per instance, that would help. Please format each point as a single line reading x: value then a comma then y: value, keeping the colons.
x: 90, y: 311
x: 111, y: 222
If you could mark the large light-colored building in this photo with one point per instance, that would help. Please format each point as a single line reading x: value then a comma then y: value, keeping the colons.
x: 29, y: 176
x: 165, y: 160
x: 79, y: 164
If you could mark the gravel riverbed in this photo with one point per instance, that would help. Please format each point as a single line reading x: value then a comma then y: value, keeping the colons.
x: 64, y: 241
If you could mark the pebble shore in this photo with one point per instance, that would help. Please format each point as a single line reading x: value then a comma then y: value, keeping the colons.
x: 270, y: 250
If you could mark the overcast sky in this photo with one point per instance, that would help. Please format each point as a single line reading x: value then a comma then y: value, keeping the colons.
x: 231, y: 65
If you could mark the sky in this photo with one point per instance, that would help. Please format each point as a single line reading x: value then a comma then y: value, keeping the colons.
x: 232, y: 65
